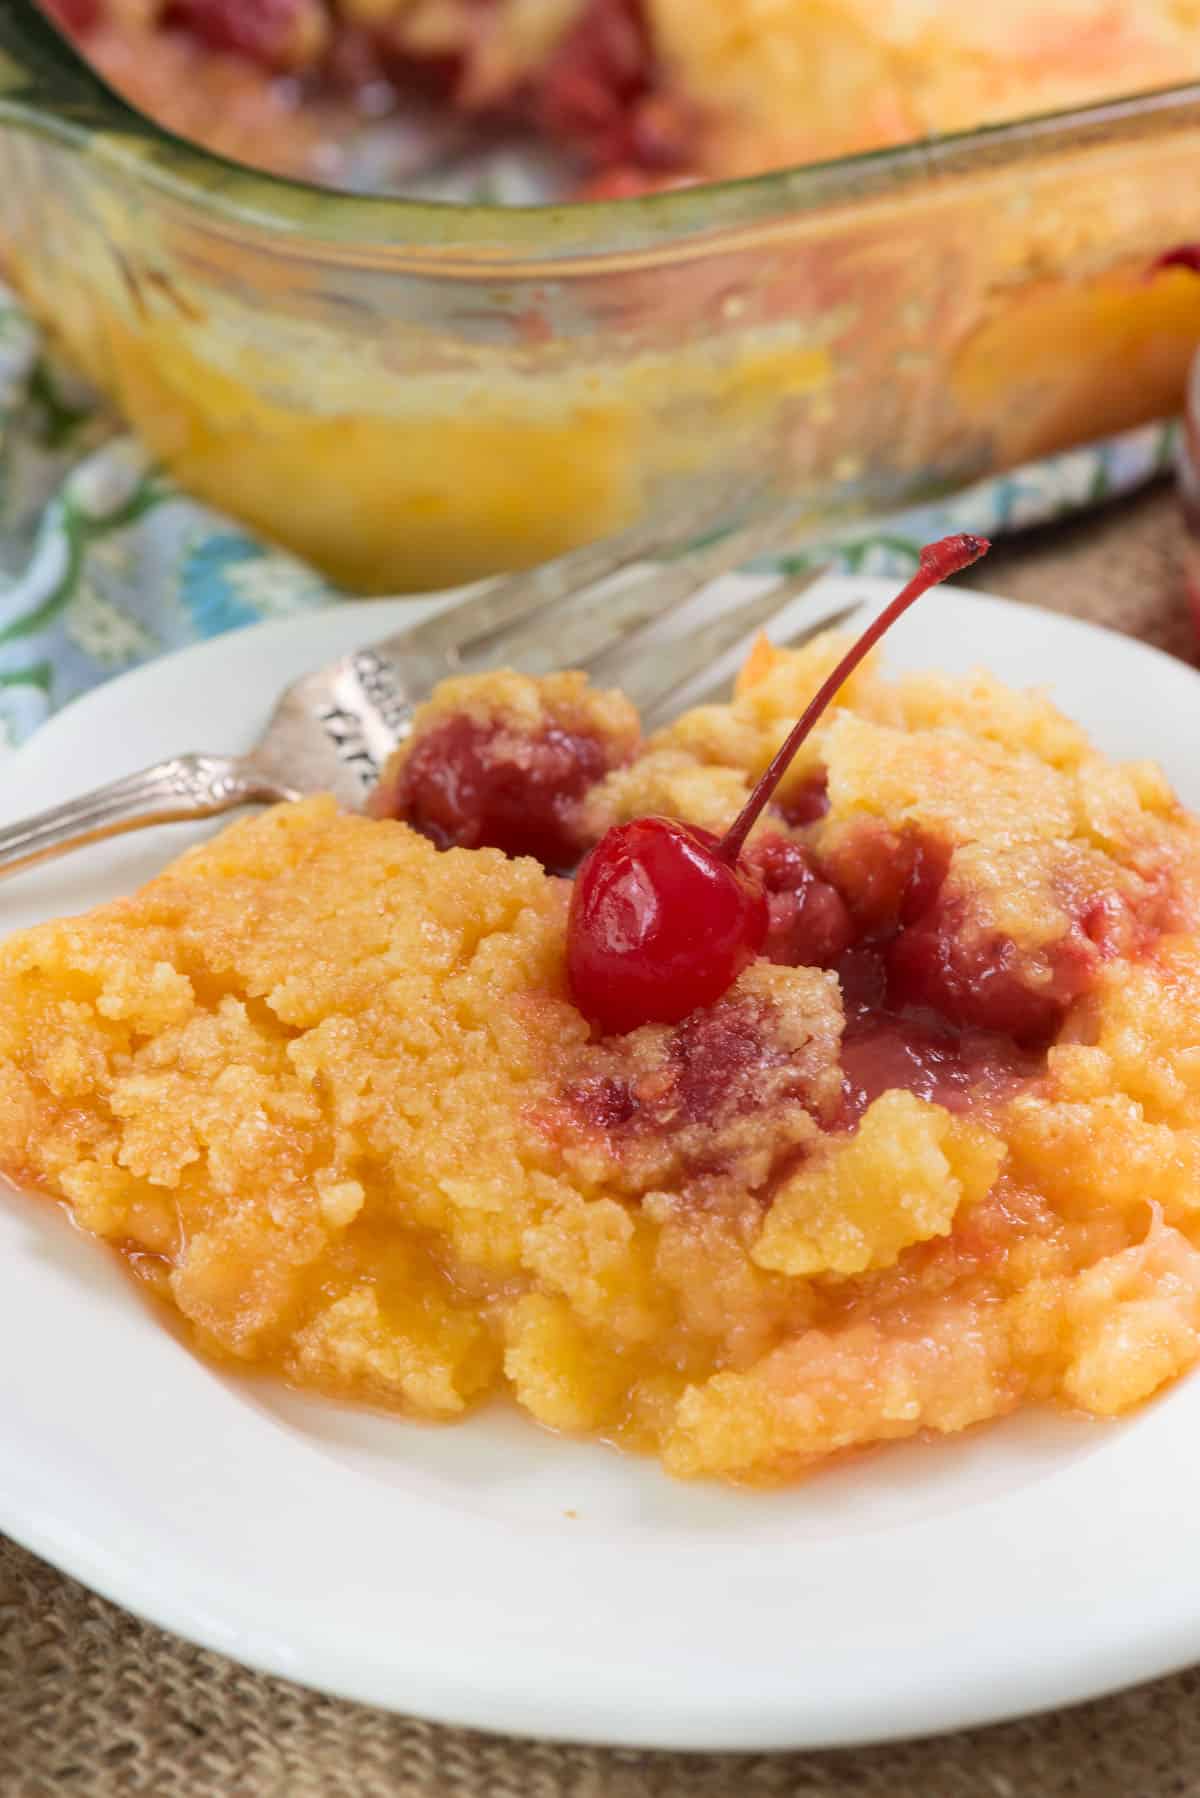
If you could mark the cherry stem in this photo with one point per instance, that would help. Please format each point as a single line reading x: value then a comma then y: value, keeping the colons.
x: 938, y: 562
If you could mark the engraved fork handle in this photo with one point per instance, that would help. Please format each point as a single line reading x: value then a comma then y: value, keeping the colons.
x: 186, y: 786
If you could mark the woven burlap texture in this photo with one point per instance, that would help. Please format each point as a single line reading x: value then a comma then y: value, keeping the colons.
x: 94, y: 1703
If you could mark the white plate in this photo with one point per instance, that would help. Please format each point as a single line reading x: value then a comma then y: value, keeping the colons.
x: 492, y: 1575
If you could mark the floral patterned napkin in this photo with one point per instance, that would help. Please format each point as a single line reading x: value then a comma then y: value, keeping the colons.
x: 104, y: 563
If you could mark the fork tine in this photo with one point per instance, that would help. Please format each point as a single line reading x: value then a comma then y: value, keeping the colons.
x: 671, y: 682
x: 680, y: 694
x: 650, y: 668
x: 602, y: 622
x: 465, y: 629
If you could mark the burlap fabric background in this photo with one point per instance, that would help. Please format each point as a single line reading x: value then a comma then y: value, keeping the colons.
x: 93, y: 1703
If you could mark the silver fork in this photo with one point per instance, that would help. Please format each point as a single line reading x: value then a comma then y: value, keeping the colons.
x: 600, y: 609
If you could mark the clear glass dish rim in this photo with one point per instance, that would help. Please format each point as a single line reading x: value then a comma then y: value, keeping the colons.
x: 647, y: 228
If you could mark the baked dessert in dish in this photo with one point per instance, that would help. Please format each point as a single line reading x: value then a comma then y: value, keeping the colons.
x: 640, y: 91
x: 863, y: 338
x: 336, y: 1089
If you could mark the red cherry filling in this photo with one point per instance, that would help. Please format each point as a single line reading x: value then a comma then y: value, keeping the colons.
x: 805, y: 803
x: 77, y: 16
x: 887, y: 877
x: 1184, y: 255
x: 714, y: 1066
x: 924, y: 1056
x: 980, y: 985
x: 664, y: 917
x: 891, y: 1043
x: 470, y: 784
x: 599, y: 93
x: 980, y: 980
x: 660, y: 924
x: 264, y: 32
x: 808, y: 921
x: 940, y: 1003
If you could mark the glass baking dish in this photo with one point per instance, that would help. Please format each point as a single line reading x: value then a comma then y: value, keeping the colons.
x: 411, y: 394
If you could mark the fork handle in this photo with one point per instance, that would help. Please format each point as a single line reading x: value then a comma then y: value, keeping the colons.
x: 186, y: 786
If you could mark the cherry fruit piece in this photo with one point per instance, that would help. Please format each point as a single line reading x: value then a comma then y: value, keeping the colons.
x: 660, y: 924
x: 664, y: 916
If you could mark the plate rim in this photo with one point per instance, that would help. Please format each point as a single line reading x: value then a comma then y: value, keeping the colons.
x: 1169, y: 1635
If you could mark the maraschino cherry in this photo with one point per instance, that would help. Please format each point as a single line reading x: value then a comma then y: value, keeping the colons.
x: 664, y: 916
